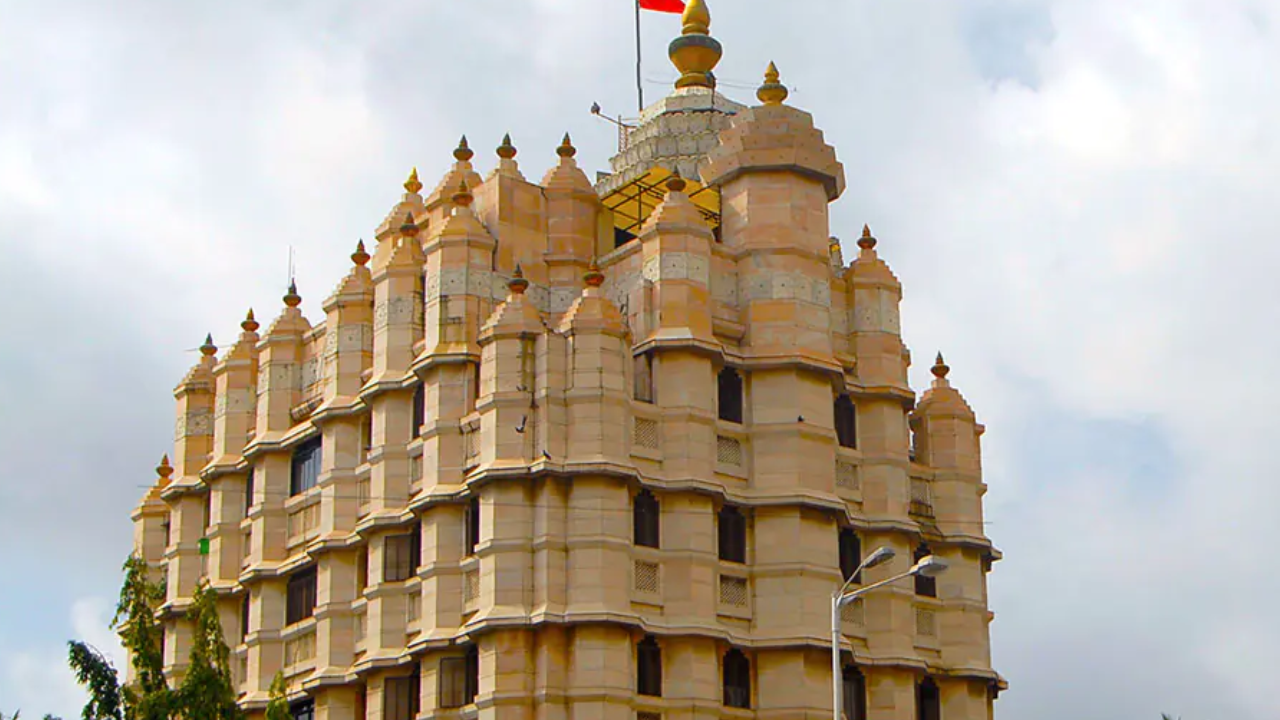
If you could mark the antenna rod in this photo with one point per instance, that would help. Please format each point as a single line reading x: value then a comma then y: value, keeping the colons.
x: 639, y: 86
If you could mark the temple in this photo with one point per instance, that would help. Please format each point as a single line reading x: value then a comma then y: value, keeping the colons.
x: 577, y: 450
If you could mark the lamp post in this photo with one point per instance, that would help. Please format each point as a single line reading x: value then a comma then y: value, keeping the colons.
x: 929, y: 566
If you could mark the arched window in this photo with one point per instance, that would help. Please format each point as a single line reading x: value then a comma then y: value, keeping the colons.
x: 419, y: 409
x: 730, y: 395
x: 853, y: 693
x: 737, y: 679
x: 647, y: 516
x: 850, y: 553
x: 926, y: 586
x: 846, y: 422
x: 732, y: 532
x: 928, y: 700
x: 649, y: 667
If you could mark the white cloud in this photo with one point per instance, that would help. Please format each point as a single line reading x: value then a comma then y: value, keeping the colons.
x: 37, y: 680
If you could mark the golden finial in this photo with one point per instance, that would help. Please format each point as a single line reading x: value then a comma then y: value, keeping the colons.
x: 772, y: 92
x: 360, y: 257
x: 695, y: 53
x: 593, y: 277
x: 518, y: 284
x: 462, y: 197
x: 412, y: 185
x: 866, y: 242
x: 833, y: 243
x: 292, y: 298
x: 463, y: 152
x: 696, y: 18
x: 940, y: 368
x: 164, y: 469
x: 208, y: 349
x: 249, y: 324
x: 676, y: 183
x: 408, y: 228
x: 566, y: 149
x: 506, y: 150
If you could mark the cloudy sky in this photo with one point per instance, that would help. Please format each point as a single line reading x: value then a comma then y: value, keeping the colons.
x: 1080, y: 197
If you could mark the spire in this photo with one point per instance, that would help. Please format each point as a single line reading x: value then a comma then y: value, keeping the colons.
x: 940, y: 368
x: 463, y: 152
x: 566, y: 149
x: 208, y: 349
x: 412, y: 185
x: 249, y: 325
x: 360, y: 257
x: 772, y: 92
x: 866, y: 242
x: 695, y: 53
x: 506, y: 150
x: 292, y: 298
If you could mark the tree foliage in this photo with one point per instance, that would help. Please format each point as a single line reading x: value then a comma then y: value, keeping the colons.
x: 93, y: 670
x: 148, y: 697
x: 278, y: 703
x: 207, y: 692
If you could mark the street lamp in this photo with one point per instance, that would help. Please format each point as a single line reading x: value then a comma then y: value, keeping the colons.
x: 929, y: 566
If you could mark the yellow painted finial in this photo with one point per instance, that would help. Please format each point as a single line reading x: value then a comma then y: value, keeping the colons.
x: 506, y: 150
x: 164, y: 470
x: 772, y: 92
x: 695, y: 53
x: 866, y: 242
x: 940, y: 368
x: 462, y: 197
x: 249, y: 325
x: 208, y: 349
x: 409, y: 227
x: 463, y: 152
x: 360, y: 257
x: 412, y: 185
x: 292, y: 298
x: 566, y: 149
x: 696, y: 18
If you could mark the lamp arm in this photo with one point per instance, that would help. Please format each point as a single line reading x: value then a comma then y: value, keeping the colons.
x: 843, y: 599
x: 861, y: 566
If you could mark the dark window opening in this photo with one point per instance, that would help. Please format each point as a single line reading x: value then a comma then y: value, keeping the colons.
x: 167, y: 528
x: 244, y: 617
x: 248, y: 491
x: 419, y: 410
x: 850, y: 554
x: 472, y: 525
x: 300, y: 598
x: 397, y: 557
x: 649, y: 667
x: 362, y: 569
x: 846, y: 422
x: 207, y: 513
x: 928, y: 700
x: 303, y: 710
x: 647, y: 518
x: 305, y: 467
x: 926, y: 586
x: 853, y: 693
x: 368, y: 438
x: 475, y: 386
x: 473, y: 674
x: 622, y: 237
x: 644, y: 384
x: 737, y: 679
x: 453, y: 682
x: 403, y: 697
x: 732, y: 534
x: 730, y: 395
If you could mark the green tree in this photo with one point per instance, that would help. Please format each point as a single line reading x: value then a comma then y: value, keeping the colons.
x: 94, y: 671
x: 277, y: 703
x: 149, y: 696
x: 207, y: 692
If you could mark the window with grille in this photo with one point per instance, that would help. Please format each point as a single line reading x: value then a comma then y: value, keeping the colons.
x: 402, y: 697
x: 646, y: 519
x: 472, y: 525
x: 419, y: 409
x: 248, y: 491
x: 244, y: 616
x: 300, y: 597
x: 928, y: 700
x: 925, y: 586
x: 729, y: 398
x: 853, y: 693
x: 846, y: 422
x: 850, y: 554
x: 732, y: 533
x: 305, y: 466
x: 737, y: 679
x: 644, y: 383
x: 649, y: 667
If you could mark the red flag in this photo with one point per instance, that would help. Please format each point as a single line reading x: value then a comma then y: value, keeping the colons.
x: 667, y: 6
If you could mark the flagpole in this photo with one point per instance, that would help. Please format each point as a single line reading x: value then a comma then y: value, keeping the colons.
x: 639, y: 85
